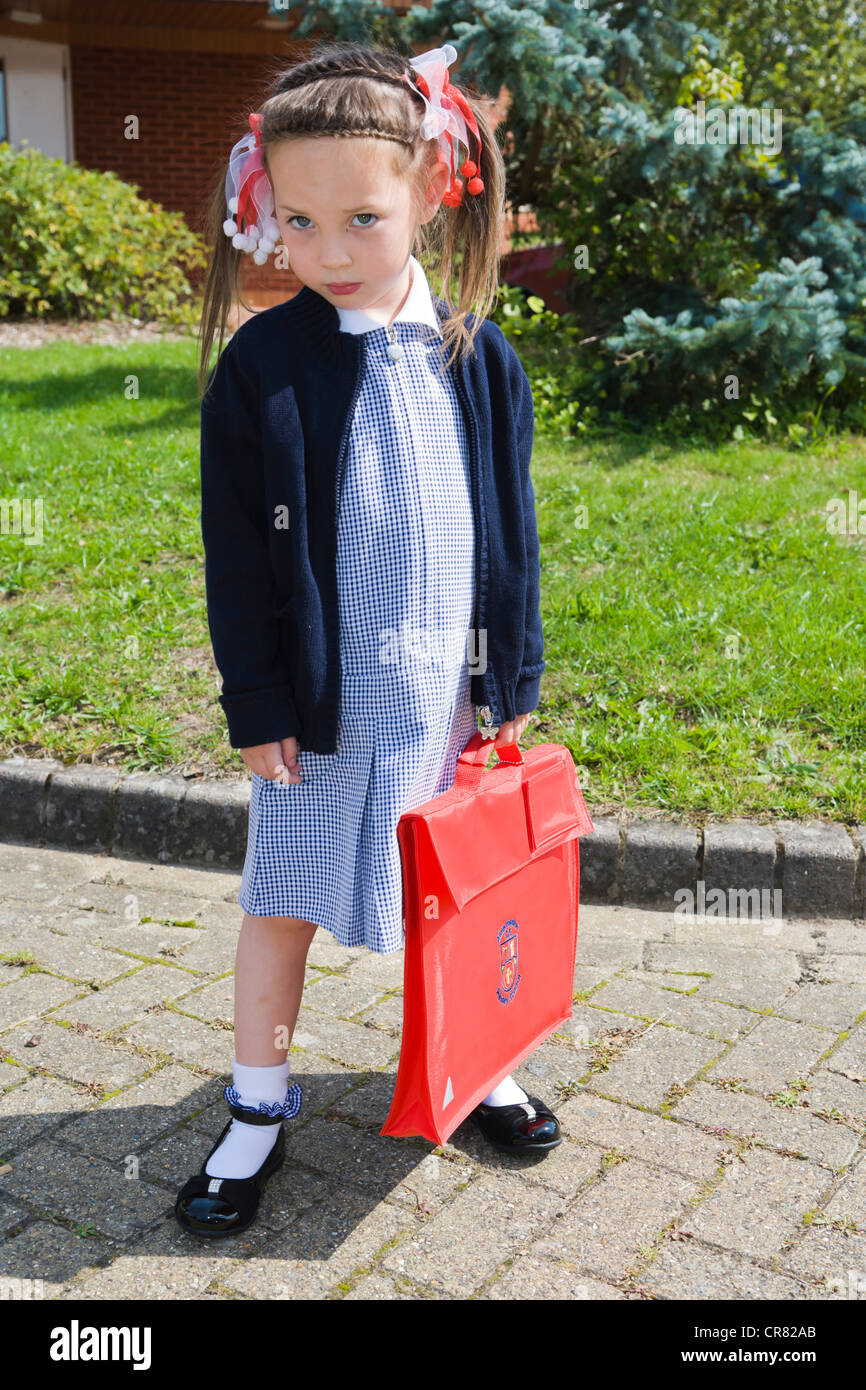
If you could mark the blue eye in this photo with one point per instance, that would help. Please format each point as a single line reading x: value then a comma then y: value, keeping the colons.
x: 299, y: 217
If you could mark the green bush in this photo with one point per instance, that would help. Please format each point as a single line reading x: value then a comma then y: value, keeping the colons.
x: 575, y: 389
x: 559, y: 371
x: 82, y: 244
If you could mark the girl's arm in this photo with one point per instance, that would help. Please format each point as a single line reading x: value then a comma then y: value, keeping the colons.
x: 257, y: 696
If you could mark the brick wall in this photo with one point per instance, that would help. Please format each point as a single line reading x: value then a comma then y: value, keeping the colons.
x: 191, y: 108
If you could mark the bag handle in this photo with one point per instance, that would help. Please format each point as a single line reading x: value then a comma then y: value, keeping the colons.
x: 474, y: 759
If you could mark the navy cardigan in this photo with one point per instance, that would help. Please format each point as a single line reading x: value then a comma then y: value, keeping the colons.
x: 275, y: 425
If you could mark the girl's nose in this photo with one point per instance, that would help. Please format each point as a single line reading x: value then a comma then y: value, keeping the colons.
x: 335, y: 259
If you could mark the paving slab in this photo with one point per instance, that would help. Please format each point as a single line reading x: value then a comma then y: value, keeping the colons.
x: 58, y: 942
x: 12, y: 1075
x: 170, y: 1033
x: 387, y: 1015
x: 32, y: 994
x: 850, y: 1053
x: 837, y: 1095
x: 774, y: 1054
x: 73, y: 1056
x: 655, y: 1002
x: 13, y: 1217
x: 686, y: 1269
x: 84, y: 1188
x: 536, y: 1279
x: 844, y: 938
x: 781, y: 1127
x: 165, y: 1264
x: 54, y: 1253
x: 349, y: 1043
x: 753, y: 931
x: 827, y: 1004
x: 131, y: 1120
x: 333, y: 1240
x: 614, y: 1224
x: 355, y: 1092
x: 753, y: 977
x: 373, y: 1287
x: 646, y: 1070
x: 39, y: 1107
x: 342, y: 996
x: 565, y: 1170
x: 619, y: 1127
x: 760, y: 1204
x: 832, y: 1260
x: 848, y: 968
x: 209, y: 1002
x: 125, y: 999
x: 447, y: 1253
x: 849, y: 1199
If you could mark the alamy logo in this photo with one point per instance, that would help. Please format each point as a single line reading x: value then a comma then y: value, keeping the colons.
x: 77, y: 1343
x: 509, y: 978
x: 734, y: 125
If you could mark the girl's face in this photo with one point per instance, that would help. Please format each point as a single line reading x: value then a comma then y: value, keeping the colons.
x: 347, y: 219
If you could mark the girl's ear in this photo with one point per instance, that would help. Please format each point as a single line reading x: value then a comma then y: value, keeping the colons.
x: 437, y: 182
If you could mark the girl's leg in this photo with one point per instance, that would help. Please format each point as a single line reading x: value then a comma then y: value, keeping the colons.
x: 269, y: 981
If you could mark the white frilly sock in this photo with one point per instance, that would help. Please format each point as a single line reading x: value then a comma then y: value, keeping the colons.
x: 245, y: 1147
x: 506, y: 1093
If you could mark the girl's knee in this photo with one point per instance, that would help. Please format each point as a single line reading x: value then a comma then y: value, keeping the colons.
x: 295, y: 925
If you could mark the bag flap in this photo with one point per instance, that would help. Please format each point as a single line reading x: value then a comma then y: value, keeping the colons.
x: 555, y: 809
x: 467, y: 843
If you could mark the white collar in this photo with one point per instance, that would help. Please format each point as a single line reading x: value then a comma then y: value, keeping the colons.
x: 417, y: 309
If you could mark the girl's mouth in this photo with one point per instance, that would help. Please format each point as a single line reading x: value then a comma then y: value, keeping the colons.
x: 344, y: 288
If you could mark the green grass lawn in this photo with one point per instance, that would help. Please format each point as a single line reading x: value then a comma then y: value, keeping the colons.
x: 705, y: 630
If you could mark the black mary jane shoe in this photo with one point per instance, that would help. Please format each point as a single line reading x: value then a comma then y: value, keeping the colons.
x: 516, y: 1129
x: 212, y: 1206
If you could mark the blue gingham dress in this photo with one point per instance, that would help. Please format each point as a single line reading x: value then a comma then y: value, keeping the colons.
x: 325, y: 849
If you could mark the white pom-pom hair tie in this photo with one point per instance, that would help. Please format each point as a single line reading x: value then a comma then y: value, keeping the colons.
x: 250, y: 198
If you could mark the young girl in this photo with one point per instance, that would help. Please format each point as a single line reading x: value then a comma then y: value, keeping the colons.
x: 357, y: 491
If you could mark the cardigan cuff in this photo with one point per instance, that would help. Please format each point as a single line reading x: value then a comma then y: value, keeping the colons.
x: 261, y: 716
x: 527, y: 690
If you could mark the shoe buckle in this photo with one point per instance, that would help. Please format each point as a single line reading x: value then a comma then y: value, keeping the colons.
x: 214, y: 1184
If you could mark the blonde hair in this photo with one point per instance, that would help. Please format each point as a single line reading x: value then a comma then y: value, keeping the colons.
x: 351, y: 89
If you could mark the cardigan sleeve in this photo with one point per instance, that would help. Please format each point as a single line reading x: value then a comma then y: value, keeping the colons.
x: 257, y: 696
x: 527, y: 689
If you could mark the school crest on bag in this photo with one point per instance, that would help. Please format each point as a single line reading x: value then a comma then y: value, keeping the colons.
x: 509, y: 978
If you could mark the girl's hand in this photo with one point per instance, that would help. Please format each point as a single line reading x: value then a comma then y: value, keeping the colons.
x: 278, y: 762
x: 511, y: 731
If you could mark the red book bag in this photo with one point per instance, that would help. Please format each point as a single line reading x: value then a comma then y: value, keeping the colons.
x: 491, y: 880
